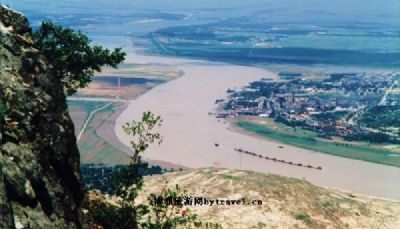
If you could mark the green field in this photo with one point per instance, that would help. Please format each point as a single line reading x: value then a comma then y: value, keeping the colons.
x: 305, y: 139
x: 92, y: 147
x: 87, y: 105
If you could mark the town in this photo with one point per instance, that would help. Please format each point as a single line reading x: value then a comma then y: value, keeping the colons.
x: 331, y: 104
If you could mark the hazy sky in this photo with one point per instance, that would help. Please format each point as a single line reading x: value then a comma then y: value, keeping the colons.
x: 390, y: 7
x: 387, y: 11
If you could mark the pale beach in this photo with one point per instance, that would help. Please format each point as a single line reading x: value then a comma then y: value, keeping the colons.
x: 190, y: 132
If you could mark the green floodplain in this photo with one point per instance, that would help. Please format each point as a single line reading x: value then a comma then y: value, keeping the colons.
x: 308, y: 140
x: 94, y: 148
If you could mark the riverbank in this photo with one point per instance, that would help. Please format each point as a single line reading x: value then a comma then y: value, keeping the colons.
x: 309, y: 140
x: 95, y: 108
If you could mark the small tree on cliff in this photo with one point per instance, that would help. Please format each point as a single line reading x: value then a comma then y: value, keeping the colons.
x: 72, y: 58
x: 127, y: 214
x: 129, y: 180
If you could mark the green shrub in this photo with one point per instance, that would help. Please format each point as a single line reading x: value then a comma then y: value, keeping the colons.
x: 304, y: 217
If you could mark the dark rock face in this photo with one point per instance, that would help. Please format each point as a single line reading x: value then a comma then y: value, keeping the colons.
x: 39, y: 159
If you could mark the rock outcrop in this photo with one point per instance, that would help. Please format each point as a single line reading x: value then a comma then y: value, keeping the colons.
x: 39, y: 159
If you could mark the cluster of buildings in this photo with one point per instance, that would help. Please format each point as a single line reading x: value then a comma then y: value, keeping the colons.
x: 325, y: 103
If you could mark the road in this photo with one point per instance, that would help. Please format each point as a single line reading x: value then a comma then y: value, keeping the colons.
x: 93, y: 112
x: 98, y: 99
x: 384, y: 97
x: 88, y: 120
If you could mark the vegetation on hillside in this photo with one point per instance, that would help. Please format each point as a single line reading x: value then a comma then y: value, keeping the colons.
x: 3, y: 110
x: 73, y: 60
x: 127, y: 213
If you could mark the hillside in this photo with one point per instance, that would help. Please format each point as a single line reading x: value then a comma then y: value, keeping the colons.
x: 39, y: 173
x: 286, y: 202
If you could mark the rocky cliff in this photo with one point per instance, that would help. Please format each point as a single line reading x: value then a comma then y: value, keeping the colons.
x: 39, y: 159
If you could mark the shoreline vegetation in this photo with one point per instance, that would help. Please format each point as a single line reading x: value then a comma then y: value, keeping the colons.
x: 305, y: 139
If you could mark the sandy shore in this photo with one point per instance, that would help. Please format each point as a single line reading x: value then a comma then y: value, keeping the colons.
x: 190, y: 133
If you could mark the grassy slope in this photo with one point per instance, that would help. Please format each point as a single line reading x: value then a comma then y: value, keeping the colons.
x: 303, y: 140
x: 287, y: 202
